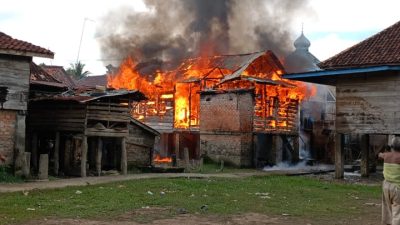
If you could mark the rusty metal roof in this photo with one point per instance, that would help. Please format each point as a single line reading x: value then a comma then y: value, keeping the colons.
x: 91, y: 96
x: 259, y: 62
x: 41, y: 77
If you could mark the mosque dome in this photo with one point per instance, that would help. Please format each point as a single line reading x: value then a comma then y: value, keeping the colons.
x: 301, y: 60
x: 302, y: 42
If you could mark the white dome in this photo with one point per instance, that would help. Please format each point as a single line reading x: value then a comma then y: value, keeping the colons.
x: 302, y: 42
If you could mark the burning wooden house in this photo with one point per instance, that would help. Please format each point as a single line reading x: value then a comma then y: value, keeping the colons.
x: 15, y: 60
x: 208, y: 104
x: 366, y: 77
x: 90, y: 131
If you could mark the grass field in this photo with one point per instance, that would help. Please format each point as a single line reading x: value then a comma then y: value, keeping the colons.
x: 276, y: 195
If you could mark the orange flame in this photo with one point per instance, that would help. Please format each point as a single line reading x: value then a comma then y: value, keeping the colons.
x: 158, y: 159
x: 178, y: 93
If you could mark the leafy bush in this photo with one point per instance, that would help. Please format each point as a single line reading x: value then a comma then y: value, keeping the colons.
x: 6, y: 175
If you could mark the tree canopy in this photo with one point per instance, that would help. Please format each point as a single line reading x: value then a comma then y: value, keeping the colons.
x: 77, y: 70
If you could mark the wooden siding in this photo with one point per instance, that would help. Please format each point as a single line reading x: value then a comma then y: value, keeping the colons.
x: 368, y: 103
x: 14, y: 75
x: 55, y: 116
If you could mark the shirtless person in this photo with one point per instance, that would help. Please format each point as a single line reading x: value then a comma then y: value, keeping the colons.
x: 391, y: 184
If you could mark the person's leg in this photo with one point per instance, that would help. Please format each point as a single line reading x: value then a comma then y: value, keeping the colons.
x: 395, y: 205
x: 386, y: 204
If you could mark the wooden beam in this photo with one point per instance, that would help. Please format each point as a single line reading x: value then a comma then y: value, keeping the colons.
x: 84, y: 156
x: 67, y: 155
x: 57, y: 153
x: 177, y: 142
x: 34, y: 151
x: 364, y: 155
x: 99, y: 155
x: 339, y: 156
x: 124, y: 162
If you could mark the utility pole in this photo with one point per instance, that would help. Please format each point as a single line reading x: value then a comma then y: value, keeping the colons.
x: 80, y: 42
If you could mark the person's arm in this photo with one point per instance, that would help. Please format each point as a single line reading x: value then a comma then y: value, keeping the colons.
x: 381, y: 155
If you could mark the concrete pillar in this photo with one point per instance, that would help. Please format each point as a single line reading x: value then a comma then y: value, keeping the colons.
x: 84, y: 156
x: 124, y: 159
x: 339, y: 156
x: 19, y: 146
x: 364, y: 155
x: 43, y: 167
x: 57, y: 154
x: 26, y: 166
x: 186, y: 158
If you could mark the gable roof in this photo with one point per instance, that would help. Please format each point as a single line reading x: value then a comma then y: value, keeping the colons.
x: 92, y: 81
x: 382, y: 48
x: 60, y: 74
x: 12, y: 46
x: 40, y: 77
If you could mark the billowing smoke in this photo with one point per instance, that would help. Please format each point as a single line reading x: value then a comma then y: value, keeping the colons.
x: 171, y: 30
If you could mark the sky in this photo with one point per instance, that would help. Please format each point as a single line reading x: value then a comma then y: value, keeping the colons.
x: 333, y: 26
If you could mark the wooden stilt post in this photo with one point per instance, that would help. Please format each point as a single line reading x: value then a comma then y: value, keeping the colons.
x: 84, y: 156
x: 34, y: 151
x: 124, y: 162
x: 364, y: 155
x: 277, y: 149
x: 177, y: 147
x: 57, y: 153
x: 67, y: 156
x: 339, y: 156
x: 99, y: 155
x: 296, y: 149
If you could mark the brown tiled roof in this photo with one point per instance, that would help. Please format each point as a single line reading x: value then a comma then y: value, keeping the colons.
x: 12, y: 46
x: 92, y: 81
x: 41, y: 77
x: 382, y: 48
x: 60, y: 74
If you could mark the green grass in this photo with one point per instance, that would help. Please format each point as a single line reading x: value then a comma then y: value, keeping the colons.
x: 297, y: 196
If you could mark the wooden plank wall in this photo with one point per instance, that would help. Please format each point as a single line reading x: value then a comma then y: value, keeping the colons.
x: 368, y: 104
x: 14, y: 74
x: 114, y: 117
x: 57, y: 116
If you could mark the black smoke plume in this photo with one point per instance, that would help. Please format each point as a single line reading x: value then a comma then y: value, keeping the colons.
x: 171, y: 30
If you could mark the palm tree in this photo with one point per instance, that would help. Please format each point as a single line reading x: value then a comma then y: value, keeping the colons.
x: 77, y: 70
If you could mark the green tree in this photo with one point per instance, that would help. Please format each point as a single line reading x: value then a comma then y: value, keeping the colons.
x: 77, y: 70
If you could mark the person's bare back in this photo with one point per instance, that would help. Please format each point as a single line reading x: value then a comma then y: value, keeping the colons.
x: 390, y: 157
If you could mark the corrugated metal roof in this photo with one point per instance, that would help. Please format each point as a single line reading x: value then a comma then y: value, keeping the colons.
x: 41, y: 77
x: 91, y: 96
x: 235, y: 63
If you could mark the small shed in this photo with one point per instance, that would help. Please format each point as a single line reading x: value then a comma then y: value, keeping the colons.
x: 366, y: 77
x: 85, y: 132
x: 140, y: 144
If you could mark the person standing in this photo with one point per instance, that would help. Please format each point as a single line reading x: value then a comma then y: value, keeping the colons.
x: 391, y: 184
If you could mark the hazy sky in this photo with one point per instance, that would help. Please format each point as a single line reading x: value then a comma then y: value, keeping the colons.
x: 57, y: 25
